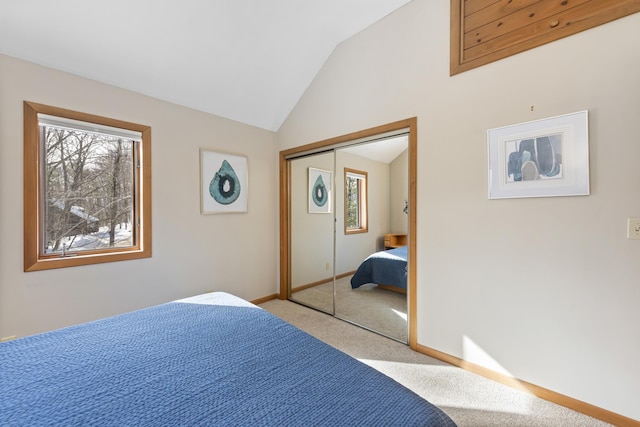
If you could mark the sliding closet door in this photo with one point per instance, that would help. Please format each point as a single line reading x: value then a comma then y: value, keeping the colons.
x: 320, y: 255
x: 371, y: 190
x: 312, y: 210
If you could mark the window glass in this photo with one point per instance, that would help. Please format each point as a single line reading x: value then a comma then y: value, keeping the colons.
x: 88, y: 186
x: 355, y: 201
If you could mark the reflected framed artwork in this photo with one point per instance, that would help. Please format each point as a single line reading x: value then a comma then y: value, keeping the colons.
x: 541, y: 158
x: 224, y: 185
x: 319, y: 191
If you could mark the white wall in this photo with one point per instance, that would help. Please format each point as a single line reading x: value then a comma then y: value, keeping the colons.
x: 399, y: 193
x: 311, y: 233
x: 549, y: 287
x: 192, y: 253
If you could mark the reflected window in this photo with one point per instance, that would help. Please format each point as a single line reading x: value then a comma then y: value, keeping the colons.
x: 355, y: 201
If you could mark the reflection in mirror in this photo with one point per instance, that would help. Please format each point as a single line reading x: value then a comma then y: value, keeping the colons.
x: 312, y: 224
x: 371, y: 271
x: 356, y: 272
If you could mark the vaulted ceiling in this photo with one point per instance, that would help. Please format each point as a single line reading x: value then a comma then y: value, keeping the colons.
x: 246, y: 60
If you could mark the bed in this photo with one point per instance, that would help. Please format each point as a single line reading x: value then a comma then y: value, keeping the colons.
x: 387, y: 268
x: 212, y: 359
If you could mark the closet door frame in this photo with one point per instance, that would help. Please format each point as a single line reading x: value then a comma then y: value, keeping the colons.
x: 409, y: 125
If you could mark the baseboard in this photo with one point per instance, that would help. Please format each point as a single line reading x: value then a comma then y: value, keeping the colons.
x: 301, y: 288
x: 264, y: 299
x: 543, y: 393
x: 321, y: 282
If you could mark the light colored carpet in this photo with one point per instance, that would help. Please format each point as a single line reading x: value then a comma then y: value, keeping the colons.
x: 469, y: 399
x: 381, y: 310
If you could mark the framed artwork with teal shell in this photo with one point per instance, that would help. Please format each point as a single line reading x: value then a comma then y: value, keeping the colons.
x: 224, y: 186
x: 320, y: 196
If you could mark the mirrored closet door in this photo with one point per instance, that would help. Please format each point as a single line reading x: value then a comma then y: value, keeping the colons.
x: 347, y: 221
x: 312, y: 231
x: 371, y: 197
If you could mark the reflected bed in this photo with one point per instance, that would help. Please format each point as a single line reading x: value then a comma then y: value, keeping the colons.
x: 387, y: 268
x: 213, y: 359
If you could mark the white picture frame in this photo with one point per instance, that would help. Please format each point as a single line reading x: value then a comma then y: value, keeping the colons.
x: 320, y: 190
x: 224, y: 182
x: 541, y: 158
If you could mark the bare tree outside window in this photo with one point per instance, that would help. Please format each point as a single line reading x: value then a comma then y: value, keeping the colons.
x: 352, y: 189
x: 355, y: 201
x: 89, y: 184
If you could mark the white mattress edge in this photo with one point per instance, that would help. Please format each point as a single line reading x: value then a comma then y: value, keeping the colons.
x: 217, y: 298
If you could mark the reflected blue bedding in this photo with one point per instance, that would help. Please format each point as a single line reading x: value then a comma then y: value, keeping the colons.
x: 383, y: 268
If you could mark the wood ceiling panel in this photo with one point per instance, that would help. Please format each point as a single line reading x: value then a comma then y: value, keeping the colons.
x: 483, y: 31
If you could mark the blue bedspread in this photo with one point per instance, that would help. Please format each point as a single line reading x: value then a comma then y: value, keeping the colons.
x: 383, y: 268
x: 212, y: 360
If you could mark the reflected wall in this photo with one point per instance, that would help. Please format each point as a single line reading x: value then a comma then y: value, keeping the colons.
x: 312, y: 243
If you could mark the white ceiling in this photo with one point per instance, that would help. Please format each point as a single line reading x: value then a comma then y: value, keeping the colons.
x: 246, y: 60
x: 383, y: 150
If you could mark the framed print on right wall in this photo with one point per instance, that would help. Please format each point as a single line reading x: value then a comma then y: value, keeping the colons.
x: 541, y: 158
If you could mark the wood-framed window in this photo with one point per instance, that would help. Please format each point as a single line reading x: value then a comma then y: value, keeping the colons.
x: 355, y: 201
x: 87, y: 189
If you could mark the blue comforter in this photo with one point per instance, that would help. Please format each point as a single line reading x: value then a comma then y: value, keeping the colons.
x: 212, y: 360
x: 383, y: 268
